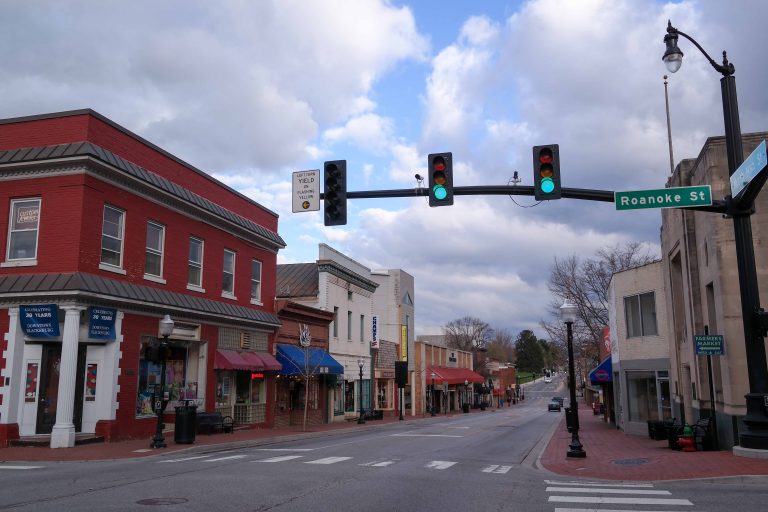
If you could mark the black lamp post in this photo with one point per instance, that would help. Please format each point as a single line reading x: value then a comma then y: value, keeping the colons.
x: 360, y: 364
x: 755, y: 431
x: 432, y: 396
x: 166, y: 328
x: 568, y: 315
x: 467, y: 403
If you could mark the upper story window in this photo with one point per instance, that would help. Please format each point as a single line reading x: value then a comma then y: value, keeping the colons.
x: 335, y: 321
x: 256, y: 281
x: 362, y: 328
x: 112, y: 234
x: 228, y: 279
x: 195, y: 263
x: 23, y: 229
x: 153, y: 261
x: 349, y: 326
x: 640, y: 314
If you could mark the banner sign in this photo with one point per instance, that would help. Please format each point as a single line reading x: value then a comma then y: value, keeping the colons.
x: 101, y: 323
x: 375, y: 338
x: 709, y: 344
x: 40, y: 321
x: 404, y: 342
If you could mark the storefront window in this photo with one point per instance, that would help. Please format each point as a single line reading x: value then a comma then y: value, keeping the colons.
x: 641, y: 396
x: 338, y: 402
x: 349, y: 396
x: 383, y: 394
x: 176, y: 385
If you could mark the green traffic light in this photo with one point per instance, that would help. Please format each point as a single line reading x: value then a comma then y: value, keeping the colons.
x: 547, y: 185
x: 439, y: 192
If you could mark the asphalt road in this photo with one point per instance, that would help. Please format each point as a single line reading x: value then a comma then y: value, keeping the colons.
x: 462, y: 463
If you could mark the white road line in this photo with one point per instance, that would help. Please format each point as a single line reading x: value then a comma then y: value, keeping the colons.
x: 440, y: 464
x: 490, y: 469
x: 328, y: 460
x: 183, y: 460
x: 618, y: 501
x: 595, y: 484
x: 461, y: 427
x: 424, y: 435
x: 281, y: 458
x: 286, y: 449
x: 605, y: 490
x: 226, y: 458
x: 21, y: 467
x: 558, y: 509
x: 376, y: 464
x: 502, y: 470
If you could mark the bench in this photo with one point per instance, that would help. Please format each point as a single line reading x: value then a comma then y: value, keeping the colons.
x: 213, y: 422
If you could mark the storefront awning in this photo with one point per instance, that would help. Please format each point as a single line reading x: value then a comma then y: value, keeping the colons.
x: 249, y: 361
x: 453, y: 375
x: 603, y: 374
x: 316, y: 362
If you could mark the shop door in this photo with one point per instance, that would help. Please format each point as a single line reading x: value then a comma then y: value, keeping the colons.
x: 49, y: 388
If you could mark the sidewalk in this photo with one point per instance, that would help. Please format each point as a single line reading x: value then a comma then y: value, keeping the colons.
x: 611, y: 454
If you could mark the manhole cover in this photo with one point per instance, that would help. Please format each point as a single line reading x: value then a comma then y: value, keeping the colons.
x: 629, y: 462
x: 162, y: 501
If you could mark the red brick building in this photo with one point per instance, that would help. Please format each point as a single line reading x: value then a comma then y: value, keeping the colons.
x: 105, y: 233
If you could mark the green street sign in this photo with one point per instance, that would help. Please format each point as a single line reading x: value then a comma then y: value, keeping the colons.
x: 674, y: 197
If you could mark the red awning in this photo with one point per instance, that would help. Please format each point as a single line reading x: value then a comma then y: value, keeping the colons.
x: 453, y: 375
x: 232, y: 360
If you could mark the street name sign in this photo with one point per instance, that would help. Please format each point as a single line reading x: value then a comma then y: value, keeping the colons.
x: 306, y: 191
x: 709, y: 344
x: 751, y: 167
x: 674, y: 197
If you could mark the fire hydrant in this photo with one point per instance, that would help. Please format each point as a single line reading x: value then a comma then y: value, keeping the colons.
x: 686, y: 440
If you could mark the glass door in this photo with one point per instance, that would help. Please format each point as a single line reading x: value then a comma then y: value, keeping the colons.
x: 665, y: 403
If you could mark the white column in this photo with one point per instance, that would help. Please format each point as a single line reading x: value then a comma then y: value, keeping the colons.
x: 13, y: 394
x: 63, y: 434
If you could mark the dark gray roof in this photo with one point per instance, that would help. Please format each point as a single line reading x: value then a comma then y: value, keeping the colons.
x: 298, y: 280
x: 75, y: 149
x: 83, y: 286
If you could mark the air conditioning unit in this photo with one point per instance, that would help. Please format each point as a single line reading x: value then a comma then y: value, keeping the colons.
x: 245, y: 340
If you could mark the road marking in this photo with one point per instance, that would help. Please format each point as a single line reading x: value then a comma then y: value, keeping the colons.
x: 618, y: 501
x: 376, y: 464
x: 281, y: 458
x: 490, y: 469
x: 440, y: 464
x: 21, y: 467
x: 502, y: 470
x: 286, y: 449
x: 459, y: 427
x: 424, y: 435
x: 595, y: 484
x: 142, y: 450
x: 605, y: 490
x: 183, y: 460
x: 225, y: 458
x: 558, y: 509
x: 328, y: 460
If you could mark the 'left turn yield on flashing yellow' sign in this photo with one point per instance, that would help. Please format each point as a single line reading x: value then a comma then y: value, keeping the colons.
x: 306, y: 191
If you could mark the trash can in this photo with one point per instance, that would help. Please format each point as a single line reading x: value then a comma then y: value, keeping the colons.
x: 465, y: 407
x: 569, y: 419
x: 186, y: 424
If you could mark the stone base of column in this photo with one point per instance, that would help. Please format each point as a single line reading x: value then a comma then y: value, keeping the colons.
x: 63, y: 436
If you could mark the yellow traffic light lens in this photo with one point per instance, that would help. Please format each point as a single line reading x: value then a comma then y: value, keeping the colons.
x: 439, y: 178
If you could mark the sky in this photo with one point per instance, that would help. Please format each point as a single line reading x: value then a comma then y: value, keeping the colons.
x: 252, y: 91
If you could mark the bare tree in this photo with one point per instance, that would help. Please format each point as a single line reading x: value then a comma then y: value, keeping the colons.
x: 585, y: 283
x: 502, y: 346
x: 468, y: 333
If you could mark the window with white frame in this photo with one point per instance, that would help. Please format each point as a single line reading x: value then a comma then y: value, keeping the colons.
x: 228, y: 278
x: 256, y: 281
x: 640, y: 314
x: 349, y: 326
x: 195, y: 263
x: 335, y: 321
x: 112, y: 234
x: 153, y: 260
x: 362, y: 328
x: 23, y: 229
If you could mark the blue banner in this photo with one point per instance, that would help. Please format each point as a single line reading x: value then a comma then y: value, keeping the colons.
x: 40, y: 321
x: 101, y: 323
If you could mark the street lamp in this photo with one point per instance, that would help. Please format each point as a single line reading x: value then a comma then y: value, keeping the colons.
x: 432, y: 396
x: 755, y: 431
x: 568, y: 315
x: 360, y: 364
x: 166, y: 328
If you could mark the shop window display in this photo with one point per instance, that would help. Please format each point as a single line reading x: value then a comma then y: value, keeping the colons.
x: 176, y: 385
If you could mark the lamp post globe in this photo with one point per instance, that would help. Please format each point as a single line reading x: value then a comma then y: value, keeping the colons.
x: 165, y: 330
x: 568, y: 313
x: 360, y: 364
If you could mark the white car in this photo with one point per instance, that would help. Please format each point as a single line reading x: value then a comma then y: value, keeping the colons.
x: 547, y: 379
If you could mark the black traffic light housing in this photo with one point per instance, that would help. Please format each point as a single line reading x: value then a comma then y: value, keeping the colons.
x: 546, y: 172
x: 440, y: 169
x: 335, y: 193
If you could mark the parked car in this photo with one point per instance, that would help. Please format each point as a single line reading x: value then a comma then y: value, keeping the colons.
x: 554, y: 405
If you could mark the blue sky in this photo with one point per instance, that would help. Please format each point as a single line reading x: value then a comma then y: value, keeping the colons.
x: 253, y: 91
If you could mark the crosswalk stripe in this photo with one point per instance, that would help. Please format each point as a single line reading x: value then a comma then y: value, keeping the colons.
x: 225, y: 458
x: 490, y: 469
x: 618, y: 501
x: 440, y: 464
x: 502, y: 470
x: 605, y: 490
x: 558, y: 509
x: 281, y: 458
x: 184, y: 459
x: 377, y: 464
x: 595, y: 484
x: 21, y: 467
x: 328, y: 460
